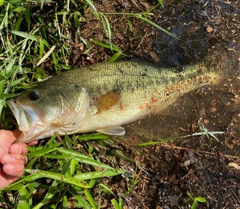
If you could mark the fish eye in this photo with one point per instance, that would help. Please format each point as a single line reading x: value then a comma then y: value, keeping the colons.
x: 33, y: 95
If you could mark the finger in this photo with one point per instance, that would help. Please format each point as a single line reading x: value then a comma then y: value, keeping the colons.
x: 18, y: 148
x: 13, y: 170
x: 32, y: 143
x: 13, y: 159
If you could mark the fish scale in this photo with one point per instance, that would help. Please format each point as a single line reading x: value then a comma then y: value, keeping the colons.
x: 103, y: 97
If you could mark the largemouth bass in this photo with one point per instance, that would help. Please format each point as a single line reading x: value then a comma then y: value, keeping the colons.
x: 102, y: 97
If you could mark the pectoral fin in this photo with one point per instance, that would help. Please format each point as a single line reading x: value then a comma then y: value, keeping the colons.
x: 116, y: 130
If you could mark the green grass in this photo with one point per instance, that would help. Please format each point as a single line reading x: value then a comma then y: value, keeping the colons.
x: 30, y: 38
x: 70, y: 172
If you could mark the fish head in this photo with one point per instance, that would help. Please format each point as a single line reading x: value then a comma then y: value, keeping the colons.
x: 47, y: 109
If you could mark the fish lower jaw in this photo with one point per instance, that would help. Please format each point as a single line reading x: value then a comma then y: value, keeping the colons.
x: 34, y: 133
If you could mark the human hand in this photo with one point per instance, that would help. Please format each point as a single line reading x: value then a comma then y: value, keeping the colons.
x: 12, y: 159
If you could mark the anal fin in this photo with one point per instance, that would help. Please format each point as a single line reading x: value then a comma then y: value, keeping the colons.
x: 115, y: 130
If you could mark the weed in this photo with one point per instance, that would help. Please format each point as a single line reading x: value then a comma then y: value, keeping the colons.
x: 196, y: 200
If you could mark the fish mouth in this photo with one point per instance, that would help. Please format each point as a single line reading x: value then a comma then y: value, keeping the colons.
x: 20, y: 116
x: 27, y: 119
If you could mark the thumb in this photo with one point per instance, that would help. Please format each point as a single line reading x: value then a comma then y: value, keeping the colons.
x: 6, y: 140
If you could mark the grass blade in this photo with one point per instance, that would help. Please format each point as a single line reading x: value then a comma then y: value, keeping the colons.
x: 37, y: 174
x: 155, y: 25
x: 107, y: 46
x: 90, y: 3
x: 90, y: 198
x: 24, y: 199
x: 98, y: 174
x: 25, y: 35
